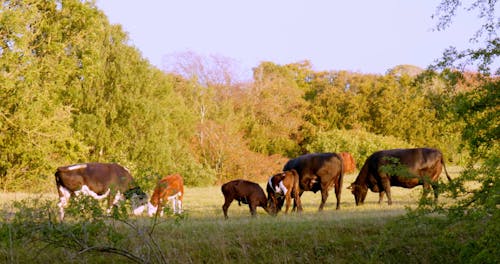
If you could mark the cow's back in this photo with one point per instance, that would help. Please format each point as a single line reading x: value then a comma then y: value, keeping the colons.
x: 243, y: 188
x: 168, y: 186
x: 328, y: 166
x: 415, y: 159
x: 100, y: 176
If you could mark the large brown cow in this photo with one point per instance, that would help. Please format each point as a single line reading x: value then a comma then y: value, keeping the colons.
x: 169, y: 189
x: 246, y: 192
x: 417, y: 166
x: 348, y: 161
x: 283, y: 186
x: 318, y: 172
x: 99, y: 180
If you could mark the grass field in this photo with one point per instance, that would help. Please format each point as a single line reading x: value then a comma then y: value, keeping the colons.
x: 354, y: 234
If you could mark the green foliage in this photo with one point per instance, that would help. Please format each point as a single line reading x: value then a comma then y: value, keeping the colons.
x: 74, y: 90
x: 86, y: 231
x: 360, y: 144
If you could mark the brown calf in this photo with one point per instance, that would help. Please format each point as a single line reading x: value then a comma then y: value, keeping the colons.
x: 283, y: 186
x: 170, y: 188
x: 246, y: 192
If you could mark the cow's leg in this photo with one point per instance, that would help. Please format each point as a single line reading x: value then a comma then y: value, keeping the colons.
x: 64, y: 196
x: 427, y: 189
x: 386, y: 183
x: 179, y: 205
x: 435, y: 189
x: 227, y: 203
x: 295, y: 201
x: 253, y: 208
x: 380, y: 197
x: 338, y: 190
x: 324, y: 196
x: 117, y: 198
x: 288, y: 201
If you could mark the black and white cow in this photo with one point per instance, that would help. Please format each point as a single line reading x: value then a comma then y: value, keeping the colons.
x: 99, y: 180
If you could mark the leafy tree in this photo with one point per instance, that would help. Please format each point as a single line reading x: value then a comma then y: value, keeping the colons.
x: 477, y: 108
x: 274, y: 108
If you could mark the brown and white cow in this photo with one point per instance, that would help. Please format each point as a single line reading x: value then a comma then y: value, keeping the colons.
x: 348, y: 161
x: 318, y: 172
x: 99, y: 180
x: 417, y: 166
x: 246, y: 192
x: 283, y: 186
x: 169, y: 189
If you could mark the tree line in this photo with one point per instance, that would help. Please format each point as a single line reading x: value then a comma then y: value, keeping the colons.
x: 74, y: 90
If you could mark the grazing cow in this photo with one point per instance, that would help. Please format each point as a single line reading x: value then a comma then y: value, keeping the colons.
x: 411, y: 167
x: 170, y: 188
x: 283, y: 186
x: 99, y: 180
x: 246, y: 192
x: 348, y: 161
x: 318, y: 172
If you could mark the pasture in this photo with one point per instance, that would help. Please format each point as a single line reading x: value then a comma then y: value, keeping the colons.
x: 371, y: 233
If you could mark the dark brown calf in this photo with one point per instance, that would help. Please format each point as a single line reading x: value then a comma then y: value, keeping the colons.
x: 246, y: 192
x: 283, y: 186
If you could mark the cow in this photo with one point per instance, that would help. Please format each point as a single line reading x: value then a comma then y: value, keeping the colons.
x: 420, y: 166
x: 318, y: 172
x: 283, y: 186
x: 99, y: 180
x: 246, y: 192
x: 169, y: 189
x: 348, y: 161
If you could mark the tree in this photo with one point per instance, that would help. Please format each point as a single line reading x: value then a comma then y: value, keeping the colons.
x: 486, y: 52
x: 478, y: 108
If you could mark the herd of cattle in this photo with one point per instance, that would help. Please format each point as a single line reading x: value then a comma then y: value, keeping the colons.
x: 311, y: 172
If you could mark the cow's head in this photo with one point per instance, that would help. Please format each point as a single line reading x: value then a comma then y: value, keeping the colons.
x: 274, y: 203
x: 359, y: 191
x: 138, y: 199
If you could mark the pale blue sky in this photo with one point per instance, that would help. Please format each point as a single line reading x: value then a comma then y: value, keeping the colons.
x: 363, y: 36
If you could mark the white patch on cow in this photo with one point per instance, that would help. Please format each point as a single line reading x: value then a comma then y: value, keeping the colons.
x: 270, y: 182
x: 152, y: 209
x: 138, y: 203
x: 63, y: 201
x: 283, y: 188
x: 179, y: 205
x: 77, y: 166
x: 138, y: 210
x: 87, y: 191
x: 118, y: 197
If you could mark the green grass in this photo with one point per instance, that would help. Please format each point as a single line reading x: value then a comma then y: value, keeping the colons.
x: 372, y: 233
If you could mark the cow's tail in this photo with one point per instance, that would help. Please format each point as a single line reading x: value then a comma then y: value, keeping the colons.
x: 445, y: 171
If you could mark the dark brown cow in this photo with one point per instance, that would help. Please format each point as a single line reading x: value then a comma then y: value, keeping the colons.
x: 318, y: 172
x: 283, y: 186
x: 246, y: 192
x: 418, y: 166
x: 99, y: 180
x: 169, y: 189
x: 348, y: 161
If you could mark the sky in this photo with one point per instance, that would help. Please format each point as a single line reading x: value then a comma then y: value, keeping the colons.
x: 363, y: 36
